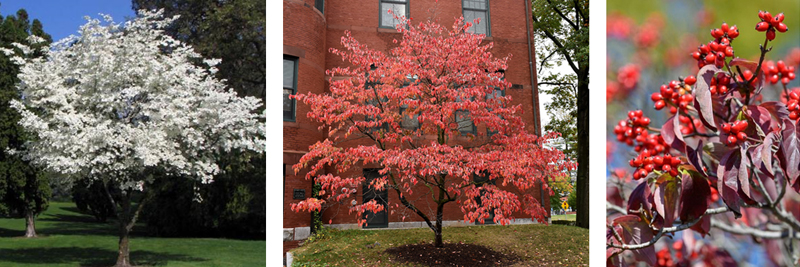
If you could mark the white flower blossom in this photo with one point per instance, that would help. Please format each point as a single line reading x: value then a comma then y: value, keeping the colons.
x: 117, y: 100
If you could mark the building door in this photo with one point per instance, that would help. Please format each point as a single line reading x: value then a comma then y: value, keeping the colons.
x: 482, y: 180
x: 379, y: 219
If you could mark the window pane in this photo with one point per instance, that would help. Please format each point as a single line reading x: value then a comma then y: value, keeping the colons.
x: 464, y: 122
x: 408, y: 121
x: 388, y: 19
x: 320, y: 5
x: 475, y: 4
x: 480, y: 28
x: 288, y: 73
x: 287, y: 104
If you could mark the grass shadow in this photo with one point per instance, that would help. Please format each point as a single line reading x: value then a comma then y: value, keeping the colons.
x: 88, y: 256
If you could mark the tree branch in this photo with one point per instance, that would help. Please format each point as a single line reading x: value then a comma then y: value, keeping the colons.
x: 559, y: 45
x: 558, y: 11
x: 666, y: 230
x: 754, y: 232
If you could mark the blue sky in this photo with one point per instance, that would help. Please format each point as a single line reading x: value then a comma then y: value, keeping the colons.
x: 63, y: 17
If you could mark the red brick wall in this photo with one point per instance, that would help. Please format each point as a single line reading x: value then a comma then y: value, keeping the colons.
x: 308, y: 34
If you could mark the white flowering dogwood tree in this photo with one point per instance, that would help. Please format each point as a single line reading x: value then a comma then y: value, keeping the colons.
x: 125, y: 104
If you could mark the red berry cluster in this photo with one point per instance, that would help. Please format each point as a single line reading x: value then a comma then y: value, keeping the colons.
x: 645, y: 164
x: 775, y: 72
x: 770, y: 24
x: 687, y: 127
x: 632, y: 129
x: 677, y: 92
x: 735, y: 132
x: 794, y: 104
x: 719, y: 83
x: 664, y: 258
x: 718, y: 49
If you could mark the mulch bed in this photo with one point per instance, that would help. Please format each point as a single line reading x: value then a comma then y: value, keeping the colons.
x: 452, y: 254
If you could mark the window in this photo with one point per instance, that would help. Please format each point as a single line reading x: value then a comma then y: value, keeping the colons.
x: 399, y: 7
x: 411, y: 123
x: 477, y: 9
x: 289, y: 87
x: 496, y: 93
x: 320, y: 5
x: 464, y: 121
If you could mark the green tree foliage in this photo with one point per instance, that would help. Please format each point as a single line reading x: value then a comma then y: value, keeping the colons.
x: 90, y: 198
x: 24, y: 190
x: 231, y: 206
x: 564, y: 25
x: 572, y: 200
x: 234, y: 32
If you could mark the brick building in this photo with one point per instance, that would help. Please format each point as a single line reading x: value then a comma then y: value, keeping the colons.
x: 312, y: 27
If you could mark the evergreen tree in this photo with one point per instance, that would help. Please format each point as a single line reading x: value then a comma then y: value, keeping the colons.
x: 24, y: 190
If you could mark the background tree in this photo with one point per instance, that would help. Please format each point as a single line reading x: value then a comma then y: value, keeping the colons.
x: 561, y: 186
x: 566, y: 25
x: 409, y: 110
x: 24, y: 189
x: 124, y: 105
x: 234, y: 32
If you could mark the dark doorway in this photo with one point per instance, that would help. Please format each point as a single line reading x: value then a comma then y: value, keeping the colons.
x: 482, y: 180
x: 379, y: 219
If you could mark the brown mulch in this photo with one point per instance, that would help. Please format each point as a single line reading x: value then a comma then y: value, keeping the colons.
x: 452, y: 254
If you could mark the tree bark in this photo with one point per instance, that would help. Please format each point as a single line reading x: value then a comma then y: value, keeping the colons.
x: 30, y: 227
x: 438, y: 231
x: 582, y: 216
x: 124, y: 258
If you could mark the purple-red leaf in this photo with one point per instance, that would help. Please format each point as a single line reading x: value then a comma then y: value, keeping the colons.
x: 728, y: 180
x: 671, y: 134
x: 702, y: 226
x: 639, y: 198
x: 789, y: 152
x: 703, y: 101
x: 695, y: 157
x: 694, y: 197
x: 666, y: 197
x: 634, y: 232
x: 777, y: 109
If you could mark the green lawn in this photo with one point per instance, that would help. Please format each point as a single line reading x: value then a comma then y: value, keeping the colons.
x: 567, y: 217
x: 69, y: 238
x: 537, y: 245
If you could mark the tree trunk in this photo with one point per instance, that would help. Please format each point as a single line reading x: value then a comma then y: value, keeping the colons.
x: 30, y: 227
x: 124, y: 218
x: 582, y: 216
x: 438, y: 231
x: 124, y: 258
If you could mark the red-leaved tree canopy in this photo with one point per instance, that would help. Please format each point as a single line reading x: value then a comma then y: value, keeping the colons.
x: 414, y: 114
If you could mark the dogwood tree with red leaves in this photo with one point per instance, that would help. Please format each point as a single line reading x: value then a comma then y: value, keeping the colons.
x: 728, y: 158
x: 413, y: 106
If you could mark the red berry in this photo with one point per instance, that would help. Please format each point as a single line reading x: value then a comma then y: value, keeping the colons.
x: 710, y: 58
x: 781, y: 27
x: 778, y: 18
x: 690, y: 80
x: 675, y: 161
x: 771, y: 34
x: 732, y: 139
x: 733, y: 32
x: 725, y: 28
x: 660, y: 104
x: 762, y: 26
x: 696, y: 55
x: 655, y: 96
x: 741, y: 136
x: 725, y: 127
